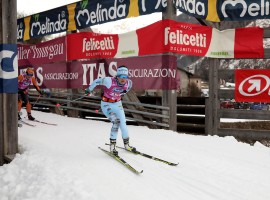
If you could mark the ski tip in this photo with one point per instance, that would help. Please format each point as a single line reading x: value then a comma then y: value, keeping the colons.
x: 173, y: 164
x: 138, y: 172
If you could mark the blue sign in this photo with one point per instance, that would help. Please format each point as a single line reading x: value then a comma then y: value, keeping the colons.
x: 240, y: 10
x: 8, y: 68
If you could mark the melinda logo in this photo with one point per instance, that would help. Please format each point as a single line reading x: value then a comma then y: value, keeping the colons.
x: 100, y: 14
x: 196, y: 7
x: 49, y: 26
x: 158, y: 3
x: 251, y: 8
x: 20, y: 29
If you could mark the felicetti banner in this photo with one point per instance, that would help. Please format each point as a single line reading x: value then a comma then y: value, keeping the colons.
x: 46, y: 52
x: 169, y: 36
x: 83, y: 14
x: 225, y: 10
x: 153, y: 72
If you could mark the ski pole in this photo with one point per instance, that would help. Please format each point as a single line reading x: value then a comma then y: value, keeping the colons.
x: 36, y: 100
x: 58, y: 104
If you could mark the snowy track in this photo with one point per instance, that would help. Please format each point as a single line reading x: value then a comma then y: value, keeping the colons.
x: 63, y: 163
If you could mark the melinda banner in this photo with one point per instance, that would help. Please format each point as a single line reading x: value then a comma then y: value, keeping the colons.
x: 169, y: 36
x: 152, y: 72
x: 43, y: 53
x: 225, y: 10
x: 86, y: 13
x: 83, y: 14
x: 252, y: 85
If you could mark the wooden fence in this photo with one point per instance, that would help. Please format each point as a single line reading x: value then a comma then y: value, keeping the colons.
x: 193, y: 113
x: 214, y: 113
x: 78, y: 105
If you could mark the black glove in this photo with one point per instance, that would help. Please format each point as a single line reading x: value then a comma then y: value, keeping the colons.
x: 41, y: 91
x: 45, y: 92
x: 87, y: 92
x: 123, y: 92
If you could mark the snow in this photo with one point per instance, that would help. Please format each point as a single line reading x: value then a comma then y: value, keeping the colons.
x: 64, y: 163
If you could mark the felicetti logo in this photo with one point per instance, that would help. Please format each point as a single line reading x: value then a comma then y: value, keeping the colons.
x: 179, y: 37
x: 243, y: 9
x: 98, y: 43
x: 253, y: 85
x: 185, y: 40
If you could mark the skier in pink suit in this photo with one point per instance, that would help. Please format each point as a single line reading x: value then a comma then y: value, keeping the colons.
x: 111, y: 104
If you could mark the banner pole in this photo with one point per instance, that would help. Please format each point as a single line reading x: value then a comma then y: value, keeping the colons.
x: 169, y: 97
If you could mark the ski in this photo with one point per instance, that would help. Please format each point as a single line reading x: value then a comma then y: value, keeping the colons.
x: 122, y: 161
x: 26, y: 123
x: 148, y: 156
x: 42, y: 122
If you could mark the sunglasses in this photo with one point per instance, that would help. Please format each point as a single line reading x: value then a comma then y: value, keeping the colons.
x: 123, y: 76
x: 29, y: 74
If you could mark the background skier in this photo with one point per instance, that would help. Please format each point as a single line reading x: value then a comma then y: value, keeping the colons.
x: 24, y: 81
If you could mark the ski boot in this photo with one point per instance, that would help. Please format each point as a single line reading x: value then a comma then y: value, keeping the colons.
x: 127, y: 146
x: 30, y: 117
x: 112, y: 147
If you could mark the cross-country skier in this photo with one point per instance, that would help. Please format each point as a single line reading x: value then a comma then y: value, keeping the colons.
x: 24, y: 81
x: 111, y: 104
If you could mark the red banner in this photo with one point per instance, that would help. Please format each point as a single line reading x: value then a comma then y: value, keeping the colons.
x: 46, y: 52
x: 155, y: 72
x: 252, y: 85
x: 247, y: 45
x: 169, y: 36
x: 166, y: 36
x: 88, y: 45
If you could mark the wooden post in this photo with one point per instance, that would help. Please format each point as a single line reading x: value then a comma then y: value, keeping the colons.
x: 1, y: 132
x: 8, y: 101
x: 211, y: 120
x: 72, y: 113
x: 169, y: 97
